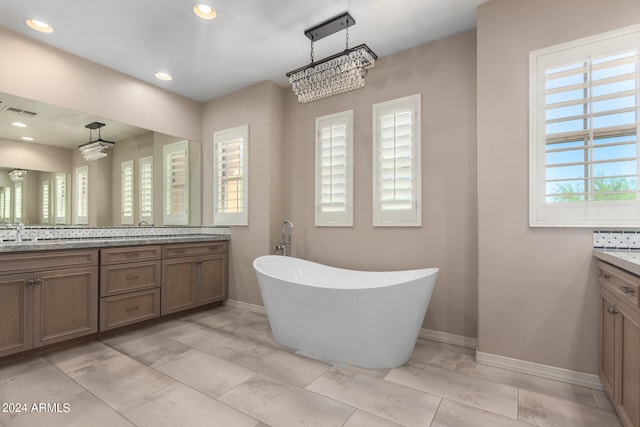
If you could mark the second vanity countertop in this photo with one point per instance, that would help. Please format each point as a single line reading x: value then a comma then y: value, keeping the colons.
x: 629, y: 260
x: 43, y: 245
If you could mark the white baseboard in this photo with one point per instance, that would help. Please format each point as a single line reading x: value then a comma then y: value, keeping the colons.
x: 544, y: 371
x: 245, y: 306
x: 448, y: 338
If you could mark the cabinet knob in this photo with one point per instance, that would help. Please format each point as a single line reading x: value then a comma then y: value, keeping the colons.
x: 604, y: 275
x: 612, y: 310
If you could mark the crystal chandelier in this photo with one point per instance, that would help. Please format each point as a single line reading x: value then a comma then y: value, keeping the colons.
x: 94, y: 150
x: 335, y: 74
x: 17, y: 175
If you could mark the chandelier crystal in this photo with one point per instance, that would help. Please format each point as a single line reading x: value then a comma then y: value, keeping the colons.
x: 335, y: 74
x: 94, y: 150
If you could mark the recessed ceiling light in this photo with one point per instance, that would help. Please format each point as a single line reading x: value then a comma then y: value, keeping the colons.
x: 19, y: 124
x: 163, y: 76
x: 38, y: 25
x: 204, y: 11
x: 27, y: 138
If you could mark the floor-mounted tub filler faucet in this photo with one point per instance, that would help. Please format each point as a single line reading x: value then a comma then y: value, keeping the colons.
x: 285, y: 241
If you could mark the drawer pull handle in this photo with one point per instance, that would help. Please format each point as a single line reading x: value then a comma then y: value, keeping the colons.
x: 132, y: 276
x: 612, y: 310
x: 604, y: 275
x: 131, y: 309
x: 627, y: 290
x: 133, y: 255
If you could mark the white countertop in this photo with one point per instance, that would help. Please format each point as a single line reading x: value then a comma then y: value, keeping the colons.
x: 627, y: 260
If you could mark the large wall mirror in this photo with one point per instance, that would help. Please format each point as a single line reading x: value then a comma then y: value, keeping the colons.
x: 134, y: 184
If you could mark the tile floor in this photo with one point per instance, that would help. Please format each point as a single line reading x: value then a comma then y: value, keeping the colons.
x: 222, y: 368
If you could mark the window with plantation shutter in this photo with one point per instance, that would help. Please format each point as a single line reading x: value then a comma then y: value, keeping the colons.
x: 17, y: 197
x: 231, y: 168
x: 5, y: 204
x: 45, y: 209
x: 60, y: 197
x: 584, y: 132
x: 145, y: 189
x: 396, y: 163
x: 82, y: 195
x: 126, y: 192
x: 176, y: 180
x: 334, y: 169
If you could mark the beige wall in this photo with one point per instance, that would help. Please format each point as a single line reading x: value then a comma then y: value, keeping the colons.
x: 36, y: 71
x: 444, y: 72
x: 537, y: 288
x: 259, y: 106
x: 31, y: 156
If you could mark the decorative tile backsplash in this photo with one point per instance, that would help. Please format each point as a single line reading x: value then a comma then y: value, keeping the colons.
x: 616, y: 240
x: 8, y: 233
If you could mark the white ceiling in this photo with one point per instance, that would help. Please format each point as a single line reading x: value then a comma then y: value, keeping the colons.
x: 249, y: 41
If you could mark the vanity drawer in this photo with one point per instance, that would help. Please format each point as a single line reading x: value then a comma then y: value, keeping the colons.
x: 47, y: 260
x: 191, y: 249
x: 119, y: 278
x: 129, y: 254
x: 622, y: 284
x: 129, y: 308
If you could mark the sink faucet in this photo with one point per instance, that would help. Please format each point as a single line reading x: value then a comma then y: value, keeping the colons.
x: 143, y: 222
x: 19, y: 230
x: 285, y: 242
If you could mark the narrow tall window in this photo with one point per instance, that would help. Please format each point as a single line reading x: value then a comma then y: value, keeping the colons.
x: 145, y: 186
x: 334, y: 169
x: 176, y: 183
x: 45, y: 197
x: 82, y: 195
x: 396, y: 163
x: 584, y: 132
x: 60, y: 198
x: 231, y: 168
x: 126, y: 192
x: 5, y: 204
x: 17, y: 197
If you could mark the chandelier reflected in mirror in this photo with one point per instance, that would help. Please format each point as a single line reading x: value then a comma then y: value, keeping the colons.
x: 17, y: 175
x: 335, y: 74
x: 94, y: 150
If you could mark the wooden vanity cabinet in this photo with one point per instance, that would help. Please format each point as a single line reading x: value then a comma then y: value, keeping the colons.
x: 193, y: 274
x: 130, y: 280
x: 47, y: 297
x: 620, y: 341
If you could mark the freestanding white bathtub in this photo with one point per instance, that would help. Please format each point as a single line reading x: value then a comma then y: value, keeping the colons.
x: 361, y: 318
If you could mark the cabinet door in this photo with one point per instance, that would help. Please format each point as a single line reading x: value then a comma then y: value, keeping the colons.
x: 65, y: 304
x: 608, y: 343
x: 212, y: 279
x: 628, y: 402
x: 179, y: 284
x: 16, y: 316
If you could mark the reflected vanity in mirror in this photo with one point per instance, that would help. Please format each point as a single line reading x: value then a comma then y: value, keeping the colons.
x: 147, y: 177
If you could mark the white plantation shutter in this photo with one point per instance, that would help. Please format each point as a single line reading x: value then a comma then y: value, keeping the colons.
x: 334, y: 169
x: 5, y: 204
x: 45, y: 209
x: 230, y: 163
x: 126, y: 192
x: 396, y: 181
x: 145, y: 199
x: 17, y: 197
x: 584, y: 127
x: 60, y: 197
x: 176, y: 180
x: 82, y: 195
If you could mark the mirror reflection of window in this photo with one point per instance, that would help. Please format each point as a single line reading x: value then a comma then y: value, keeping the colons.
x: 145, y: 199
x: 17, y: 188
x: 176, y: 183
x: 126, y: 192
x: 5, y: 205
x: 82, y: 195
x: 45, y: 198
